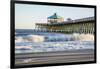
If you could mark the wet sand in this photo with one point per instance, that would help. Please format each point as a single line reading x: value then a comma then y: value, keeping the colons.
x: 54, y: 57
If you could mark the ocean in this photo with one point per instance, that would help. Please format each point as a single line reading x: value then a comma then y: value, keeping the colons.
x: 29, y: 40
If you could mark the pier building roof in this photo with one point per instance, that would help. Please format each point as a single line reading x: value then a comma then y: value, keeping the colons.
x: 54, y: 16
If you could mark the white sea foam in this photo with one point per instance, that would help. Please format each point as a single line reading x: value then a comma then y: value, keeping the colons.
x: 59, y: 46
x: 18, y: 39
x: 36, y: 43
x: 30, y: 38
x: 36, y: 38
x: 83, y: 37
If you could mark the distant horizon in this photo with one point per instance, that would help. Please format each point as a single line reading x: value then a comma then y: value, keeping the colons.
x: 27, y: 15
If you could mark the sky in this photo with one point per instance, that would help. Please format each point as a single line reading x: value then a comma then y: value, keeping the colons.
x: 26, y: 15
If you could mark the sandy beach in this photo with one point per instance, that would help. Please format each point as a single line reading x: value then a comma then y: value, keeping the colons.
x: 54, y: 57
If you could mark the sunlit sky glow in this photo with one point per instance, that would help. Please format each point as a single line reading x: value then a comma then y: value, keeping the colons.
x: 27, y: 15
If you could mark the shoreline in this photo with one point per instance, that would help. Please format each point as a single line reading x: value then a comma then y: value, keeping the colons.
x: 57, y: 57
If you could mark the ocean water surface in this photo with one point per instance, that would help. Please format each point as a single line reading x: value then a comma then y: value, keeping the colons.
x: 28, y: 40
